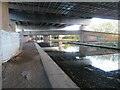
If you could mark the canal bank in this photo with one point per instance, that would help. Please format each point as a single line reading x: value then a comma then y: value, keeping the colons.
x: 56, y: 76
x: 33, y: 68
x: 88, y: 67
x: 101, y: 45
x: 85, y: 75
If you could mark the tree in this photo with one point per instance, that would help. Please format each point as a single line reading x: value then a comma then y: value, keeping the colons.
x: 110, y: 27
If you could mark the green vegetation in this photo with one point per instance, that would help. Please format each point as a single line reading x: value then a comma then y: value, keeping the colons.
x: 109, y: 27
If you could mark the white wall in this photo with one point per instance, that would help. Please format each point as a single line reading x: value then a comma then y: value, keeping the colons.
x: 9, y: 45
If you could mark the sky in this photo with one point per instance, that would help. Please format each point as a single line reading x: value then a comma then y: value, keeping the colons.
x: 96, y: 21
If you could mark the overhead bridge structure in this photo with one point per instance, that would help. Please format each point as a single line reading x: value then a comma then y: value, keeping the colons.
x: 33, y: 67
x: 60, y: 14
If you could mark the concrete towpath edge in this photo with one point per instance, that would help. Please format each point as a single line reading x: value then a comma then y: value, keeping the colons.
x: 57, y: 78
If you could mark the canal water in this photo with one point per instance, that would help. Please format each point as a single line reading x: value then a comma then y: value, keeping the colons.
x: 88, y: 67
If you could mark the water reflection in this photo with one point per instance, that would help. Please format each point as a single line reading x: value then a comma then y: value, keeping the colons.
x: 71, y: 49
x: 87, y: 66
x: 76, y: 64
x: 104, y: 59
x: 105, y: 62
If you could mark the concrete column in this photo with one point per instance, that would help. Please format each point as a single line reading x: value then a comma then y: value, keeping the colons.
x: 60, y: 42
x: 46, y: 38
x: 4, y: 16
x: 21, y: 39
x: 50, y: 40
x: 82, y: 36
x: 12, y: 26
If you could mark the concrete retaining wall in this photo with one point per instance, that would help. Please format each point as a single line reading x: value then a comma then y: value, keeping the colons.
x: 57, y: 77
x: 9, y: 45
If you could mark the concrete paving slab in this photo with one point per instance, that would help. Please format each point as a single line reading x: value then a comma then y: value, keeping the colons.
x: 25, y: 70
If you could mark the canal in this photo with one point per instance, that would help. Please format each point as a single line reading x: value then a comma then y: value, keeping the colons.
x: 88, y: 67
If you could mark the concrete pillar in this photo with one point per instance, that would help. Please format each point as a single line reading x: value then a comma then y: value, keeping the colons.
x: 4, y: 16
x: 12, y: 26
x: 46, y: 38
x: 21, y: 39
x: 82, y: 37
x: 50, y: 40
x: 81, y: 34
x: 60, y: 42
x: 82, y: 49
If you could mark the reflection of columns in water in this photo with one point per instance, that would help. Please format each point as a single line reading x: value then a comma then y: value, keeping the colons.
x: 42, y: 38
x: 36, y: 38
x: 29, y: 36
x: 32, y: 37
x: 82, y: 50
x: 60, y: 42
